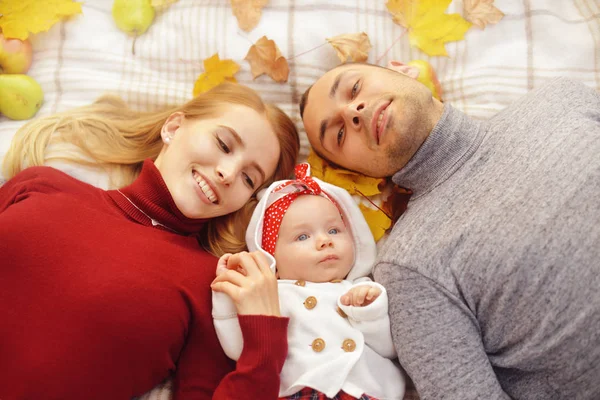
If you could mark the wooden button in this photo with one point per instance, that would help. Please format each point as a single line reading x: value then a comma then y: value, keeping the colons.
x: 310, y: 302
x: 300, y: 283
x: 318, y: 345
x: 348, y: 346
x: 342, y: 313
x: 336, y: 281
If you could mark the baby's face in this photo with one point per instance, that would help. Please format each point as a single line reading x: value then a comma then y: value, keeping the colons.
x: 314, y: 244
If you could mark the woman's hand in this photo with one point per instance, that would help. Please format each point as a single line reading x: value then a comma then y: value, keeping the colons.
x: 247, y: 279
x: 360, y: 296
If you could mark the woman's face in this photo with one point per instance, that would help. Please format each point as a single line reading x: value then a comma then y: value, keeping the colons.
x: 213, y: 166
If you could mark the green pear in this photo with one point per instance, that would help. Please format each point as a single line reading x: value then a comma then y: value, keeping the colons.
x: 133, y: 16
x: 20, y: 96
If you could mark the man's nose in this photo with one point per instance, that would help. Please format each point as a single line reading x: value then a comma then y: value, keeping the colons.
x: 354, y: 113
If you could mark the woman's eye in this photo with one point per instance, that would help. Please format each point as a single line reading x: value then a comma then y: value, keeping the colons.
x: 354, y: 89
x: 223, y: 146
x: 249, y: 181
x: 340, y: 135
x: 302, y: 237
x: 333, y: 231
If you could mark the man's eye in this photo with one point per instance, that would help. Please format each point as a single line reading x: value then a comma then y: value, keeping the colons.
x: 302, y: 237
x: 333, y: 231
x: 249, y: 181
x: 223, y: 146
x: 340, y: 135
x: 354, y: 89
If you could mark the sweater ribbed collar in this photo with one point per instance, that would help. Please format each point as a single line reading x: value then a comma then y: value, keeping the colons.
x: 451, y: 142
x: 149, y: 192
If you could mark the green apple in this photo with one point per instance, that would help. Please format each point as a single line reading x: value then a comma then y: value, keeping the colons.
x: 15, y: 55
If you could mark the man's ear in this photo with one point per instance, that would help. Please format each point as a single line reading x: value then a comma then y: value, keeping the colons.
x: 412, y: 72
x: 171, y: 125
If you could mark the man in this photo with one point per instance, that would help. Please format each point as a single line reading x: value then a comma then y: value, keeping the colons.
x: 493, y: 272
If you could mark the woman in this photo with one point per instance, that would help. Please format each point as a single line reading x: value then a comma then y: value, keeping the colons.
x: 106, y: 293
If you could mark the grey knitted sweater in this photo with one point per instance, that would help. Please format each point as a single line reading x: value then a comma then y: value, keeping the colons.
x: 493, y: 272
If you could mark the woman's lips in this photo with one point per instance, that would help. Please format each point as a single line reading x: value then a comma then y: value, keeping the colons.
x: 202, y: 186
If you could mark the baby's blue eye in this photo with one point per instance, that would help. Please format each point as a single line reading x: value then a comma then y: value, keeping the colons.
x: 333, y: 231
x: 302, y: 237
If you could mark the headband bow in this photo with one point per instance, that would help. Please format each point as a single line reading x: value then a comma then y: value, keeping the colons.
x: 280, y: 200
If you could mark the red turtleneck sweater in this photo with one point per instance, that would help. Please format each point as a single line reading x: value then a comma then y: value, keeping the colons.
x: 96, y: 303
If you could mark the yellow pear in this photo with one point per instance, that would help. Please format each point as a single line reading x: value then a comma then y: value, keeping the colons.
x: 133, y: 16
x: 20, y: 96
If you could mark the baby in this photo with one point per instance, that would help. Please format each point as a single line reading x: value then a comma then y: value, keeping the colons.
x: 339, y: 340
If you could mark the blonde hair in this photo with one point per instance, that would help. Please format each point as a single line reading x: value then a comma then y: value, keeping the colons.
x: 110, y: 135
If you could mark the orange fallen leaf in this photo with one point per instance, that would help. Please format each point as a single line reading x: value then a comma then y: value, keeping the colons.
x: 216, y: 71
x: 481, y: 12
x: 248, y: 12
x: 265, y: 58
x: 351, y: 45
x: 428, y: 26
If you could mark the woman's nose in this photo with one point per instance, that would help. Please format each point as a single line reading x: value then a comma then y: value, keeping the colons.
x: 226, y: 174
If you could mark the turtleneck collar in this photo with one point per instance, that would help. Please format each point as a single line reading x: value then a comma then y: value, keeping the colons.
x: 149, y: 192
x: 451, y: 142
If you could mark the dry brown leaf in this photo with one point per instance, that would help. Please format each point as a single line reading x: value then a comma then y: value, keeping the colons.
x: 247, y: 12
x: 265, y: 58
x: 481, y: 12
x: 351, y: 45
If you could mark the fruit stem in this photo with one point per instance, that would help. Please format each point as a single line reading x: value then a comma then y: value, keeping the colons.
x: 133, y: 43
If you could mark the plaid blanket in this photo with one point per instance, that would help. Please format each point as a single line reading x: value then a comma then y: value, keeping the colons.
x: 80, y: 59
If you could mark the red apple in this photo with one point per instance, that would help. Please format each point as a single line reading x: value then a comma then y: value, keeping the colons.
x: 15, y: 55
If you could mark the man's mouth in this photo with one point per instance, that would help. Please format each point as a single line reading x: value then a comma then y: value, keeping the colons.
x: 379, y: 120
x: 205, y: 187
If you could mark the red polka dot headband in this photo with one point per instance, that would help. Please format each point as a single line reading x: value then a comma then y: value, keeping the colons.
x: 287, y: 193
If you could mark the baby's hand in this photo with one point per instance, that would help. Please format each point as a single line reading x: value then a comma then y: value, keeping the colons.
x: 360, y: 296
x: 222, y: 264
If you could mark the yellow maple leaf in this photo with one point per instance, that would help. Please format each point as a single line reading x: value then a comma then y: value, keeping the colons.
x: 481, y: 12
x: 353, y: 182
x: 19, y: 18
x: 162, y: 4
x: 428, y: 26
x: 248, y: 12
x: 216, y: 71
x: 378, y: 222
x: 354, y: 46
x: 265, y: 58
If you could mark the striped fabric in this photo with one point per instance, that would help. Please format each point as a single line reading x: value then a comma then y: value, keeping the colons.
x: 78, y: 60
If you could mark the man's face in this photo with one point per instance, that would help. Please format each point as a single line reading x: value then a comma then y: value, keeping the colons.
x: 369, y: 119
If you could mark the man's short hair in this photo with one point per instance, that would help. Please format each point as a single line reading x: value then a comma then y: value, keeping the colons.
x: 303, y: 101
